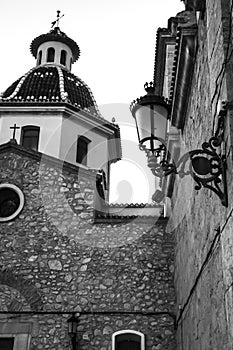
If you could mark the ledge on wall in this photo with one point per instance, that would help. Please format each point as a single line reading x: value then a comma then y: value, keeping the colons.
x: 126, y: 212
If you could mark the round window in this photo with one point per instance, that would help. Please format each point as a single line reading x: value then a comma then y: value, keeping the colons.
x: 11, y: 202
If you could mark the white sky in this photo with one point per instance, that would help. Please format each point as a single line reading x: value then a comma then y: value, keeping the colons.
x: 117, y: 42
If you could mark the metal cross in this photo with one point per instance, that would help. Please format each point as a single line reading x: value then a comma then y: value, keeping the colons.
x: 57, y: 20
x: 14, y: 128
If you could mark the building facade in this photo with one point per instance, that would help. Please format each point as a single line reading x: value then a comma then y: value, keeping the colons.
x: 65, y: 253
x: 198, y: 84
x: 132, y: 278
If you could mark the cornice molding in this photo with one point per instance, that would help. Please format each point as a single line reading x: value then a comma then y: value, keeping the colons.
x: 182, y: 73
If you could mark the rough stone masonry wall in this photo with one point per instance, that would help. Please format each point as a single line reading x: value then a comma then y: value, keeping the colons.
x: 204, y: 260
x: 54, y: 258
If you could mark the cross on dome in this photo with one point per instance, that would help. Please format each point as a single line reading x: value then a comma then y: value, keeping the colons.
x: 57, y: 20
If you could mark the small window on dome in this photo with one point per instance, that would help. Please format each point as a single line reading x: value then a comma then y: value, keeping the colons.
x: 63, y: 57
x: 39, y: 57
x: 30, y: 137
x: 71, y: 61
x: 50, y: 54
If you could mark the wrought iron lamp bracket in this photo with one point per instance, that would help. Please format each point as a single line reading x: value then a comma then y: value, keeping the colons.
x: 206, y: 165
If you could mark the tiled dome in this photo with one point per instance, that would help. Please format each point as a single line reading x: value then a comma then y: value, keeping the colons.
x: 51, y: 84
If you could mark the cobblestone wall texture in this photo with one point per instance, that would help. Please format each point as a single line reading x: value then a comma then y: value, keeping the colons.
x: 203, y: 271
x: 55, y: 258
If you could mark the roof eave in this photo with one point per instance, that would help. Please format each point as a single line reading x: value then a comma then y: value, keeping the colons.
x: 54, y: 107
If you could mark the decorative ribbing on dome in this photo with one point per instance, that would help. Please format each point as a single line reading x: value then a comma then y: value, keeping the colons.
x: 18, y: 86
x: 63, y: 94
x: 71, y: 84
x: 52, y: 83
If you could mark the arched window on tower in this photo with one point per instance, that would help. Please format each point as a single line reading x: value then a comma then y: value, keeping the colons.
x: 30, y: 137
x: 82, y: 150
x: 71, y: 61
x: 128, y: 340
x: 63, y: 57
x: 39, y: 57
x: 50, y: 54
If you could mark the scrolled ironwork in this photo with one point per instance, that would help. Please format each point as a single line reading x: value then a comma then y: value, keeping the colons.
x: 205, y: 165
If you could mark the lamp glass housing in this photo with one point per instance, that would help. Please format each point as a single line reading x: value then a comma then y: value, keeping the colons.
x: 151, y: 122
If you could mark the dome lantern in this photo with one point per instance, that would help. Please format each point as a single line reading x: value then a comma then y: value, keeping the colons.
x: 55, y: 47
x: 51, y: 81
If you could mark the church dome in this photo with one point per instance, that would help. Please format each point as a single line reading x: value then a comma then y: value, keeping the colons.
x: 51, y: 89
x: 51, y: 81
x: 51, y: 84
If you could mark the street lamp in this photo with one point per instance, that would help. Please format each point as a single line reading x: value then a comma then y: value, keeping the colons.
x: 206, y: 165
x: 72, y: 329
x: 151, y: 115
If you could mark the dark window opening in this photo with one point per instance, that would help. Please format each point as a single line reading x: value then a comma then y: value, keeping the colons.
x: 128, y: 341
x: 6, y: 343
x: 82, y: 149
x: 71, y: 61
x: 30, y: 137
x: 39, y: 57
x: 101, y: 184
x: 9, y: 203
x: 63, y: 57
x: 50, y: 54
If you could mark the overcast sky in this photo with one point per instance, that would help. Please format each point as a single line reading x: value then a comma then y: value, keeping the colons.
x: 117, y: 43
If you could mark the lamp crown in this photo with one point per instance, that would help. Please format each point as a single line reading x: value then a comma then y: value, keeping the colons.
x: 149, y: 87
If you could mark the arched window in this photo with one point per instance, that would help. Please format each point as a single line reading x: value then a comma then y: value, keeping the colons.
x: 50, y: 54
x: 71, y: 61
x: 39, y: 57
x: 30, y: 137
x: 63, y: 57
x: 82, y: 150
x: 128, y: 340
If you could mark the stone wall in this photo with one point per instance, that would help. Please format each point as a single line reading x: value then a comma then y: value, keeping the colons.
x: 203, y: 226
x: 55, y: 260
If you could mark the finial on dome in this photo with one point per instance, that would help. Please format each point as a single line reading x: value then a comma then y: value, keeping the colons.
x: 51, y: 48
x: 57, y: 20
